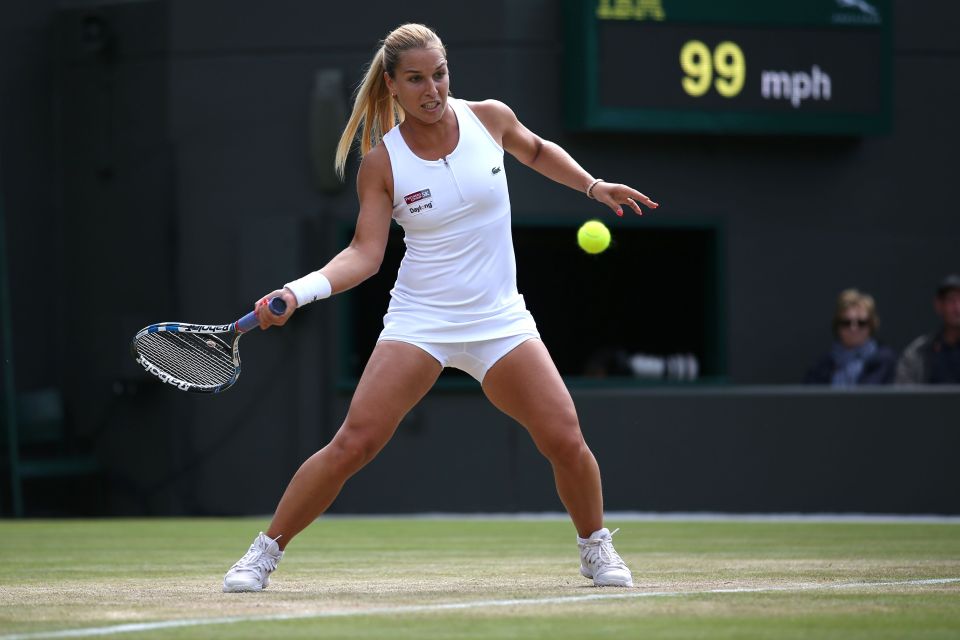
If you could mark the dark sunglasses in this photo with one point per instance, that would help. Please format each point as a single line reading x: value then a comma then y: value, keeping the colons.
x: 855, y: 322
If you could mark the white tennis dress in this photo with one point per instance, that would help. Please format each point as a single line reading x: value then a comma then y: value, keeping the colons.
x: 457, y: 282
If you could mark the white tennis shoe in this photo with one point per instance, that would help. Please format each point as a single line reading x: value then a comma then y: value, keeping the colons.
x: 252, y: 571
x: 600, y: 561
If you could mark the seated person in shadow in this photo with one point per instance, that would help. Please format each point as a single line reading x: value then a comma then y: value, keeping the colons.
x: 856, y: 358
x: 935, y: 358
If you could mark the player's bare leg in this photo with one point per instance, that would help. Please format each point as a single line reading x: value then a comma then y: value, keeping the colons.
x: 396, y: 377
x: 526, y: 385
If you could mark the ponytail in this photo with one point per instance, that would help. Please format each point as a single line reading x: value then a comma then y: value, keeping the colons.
x: 375, y: 111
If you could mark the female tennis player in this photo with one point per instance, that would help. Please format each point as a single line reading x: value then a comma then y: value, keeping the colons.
x: 440, y: 174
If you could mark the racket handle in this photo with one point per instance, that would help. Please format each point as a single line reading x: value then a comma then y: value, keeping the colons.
x: 278, y: 306
x: 249, y: 321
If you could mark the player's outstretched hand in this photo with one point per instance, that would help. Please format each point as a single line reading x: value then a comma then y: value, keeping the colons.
x: 267, y: 317
x: 613, y: 195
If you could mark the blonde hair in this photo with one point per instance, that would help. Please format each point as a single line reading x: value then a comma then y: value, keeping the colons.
x: 374, y: 109
x: 849, y: 298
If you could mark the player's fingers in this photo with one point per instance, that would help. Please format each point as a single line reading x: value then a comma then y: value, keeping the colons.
x: 633, y: 205
x: 291, y: 305
x: 265, y: 316
x: 262, y: 311
x: 613, y: 204
x: 623, y: 193
x: 617, y: 194
x: 639, y: 197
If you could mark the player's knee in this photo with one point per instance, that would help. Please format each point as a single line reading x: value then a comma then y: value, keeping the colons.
x: 566, y: 448
x: 352, y: 449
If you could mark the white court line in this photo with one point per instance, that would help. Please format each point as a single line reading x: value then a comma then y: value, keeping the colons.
x: 661, y: 516
x: 449, y: 606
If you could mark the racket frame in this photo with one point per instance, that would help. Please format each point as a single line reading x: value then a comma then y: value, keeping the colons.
x: 228, y: 335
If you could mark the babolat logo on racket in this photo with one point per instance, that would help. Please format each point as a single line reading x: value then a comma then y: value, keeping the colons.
x: 422, y: 197
x: 163, y: 375
x: 204, y: 328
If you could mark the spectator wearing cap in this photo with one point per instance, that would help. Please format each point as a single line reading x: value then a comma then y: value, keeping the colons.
x: 935, y: 358
x: 856, y: 357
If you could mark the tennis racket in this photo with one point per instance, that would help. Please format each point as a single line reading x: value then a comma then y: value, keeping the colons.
x: 202, y: 358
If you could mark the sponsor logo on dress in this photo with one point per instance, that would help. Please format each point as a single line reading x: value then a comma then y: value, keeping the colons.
x: 416, y: 195
x: 422, y: 200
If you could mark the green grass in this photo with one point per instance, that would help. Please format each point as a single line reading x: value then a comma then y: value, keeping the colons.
x: 75, y: 574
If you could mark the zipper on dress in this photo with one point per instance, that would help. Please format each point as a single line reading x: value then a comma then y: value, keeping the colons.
x: 454, y: 176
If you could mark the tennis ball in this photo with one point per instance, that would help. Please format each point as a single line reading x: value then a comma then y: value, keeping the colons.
x: 593, y: 236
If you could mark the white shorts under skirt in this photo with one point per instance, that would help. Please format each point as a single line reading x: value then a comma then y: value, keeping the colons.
x: 475, y: 358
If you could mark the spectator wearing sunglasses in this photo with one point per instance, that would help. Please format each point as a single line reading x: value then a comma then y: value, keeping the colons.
x: 935, y: 357
x: 856, y: 358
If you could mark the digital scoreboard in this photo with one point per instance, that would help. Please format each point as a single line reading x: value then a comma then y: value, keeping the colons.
x: 751, y: 66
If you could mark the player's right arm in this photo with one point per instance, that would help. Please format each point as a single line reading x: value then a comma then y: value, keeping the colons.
x: 363, y: 256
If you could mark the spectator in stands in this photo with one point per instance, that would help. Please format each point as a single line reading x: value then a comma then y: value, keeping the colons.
x: 856, y: 358
x: 935, y: 358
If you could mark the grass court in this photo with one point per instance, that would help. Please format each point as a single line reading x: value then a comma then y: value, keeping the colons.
x: 471, y: 578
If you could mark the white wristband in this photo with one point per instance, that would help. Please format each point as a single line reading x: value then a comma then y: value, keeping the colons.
x: 311, y: 287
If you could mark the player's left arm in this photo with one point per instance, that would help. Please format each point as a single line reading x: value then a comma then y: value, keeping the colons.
x: 551, y: 160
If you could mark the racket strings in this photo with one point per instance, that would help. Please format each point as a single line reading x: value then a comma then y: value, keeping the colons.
x: 189, y: 357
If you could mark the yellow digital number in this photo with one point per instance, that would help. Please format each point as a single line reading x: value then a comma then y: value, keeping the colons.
x: 695, y: 62
x: 730, y: 65
x: 699, y: 65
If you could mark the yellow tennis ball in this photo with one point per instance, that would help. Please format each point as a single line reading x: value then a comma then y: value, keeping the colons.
x: 593, y: 236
